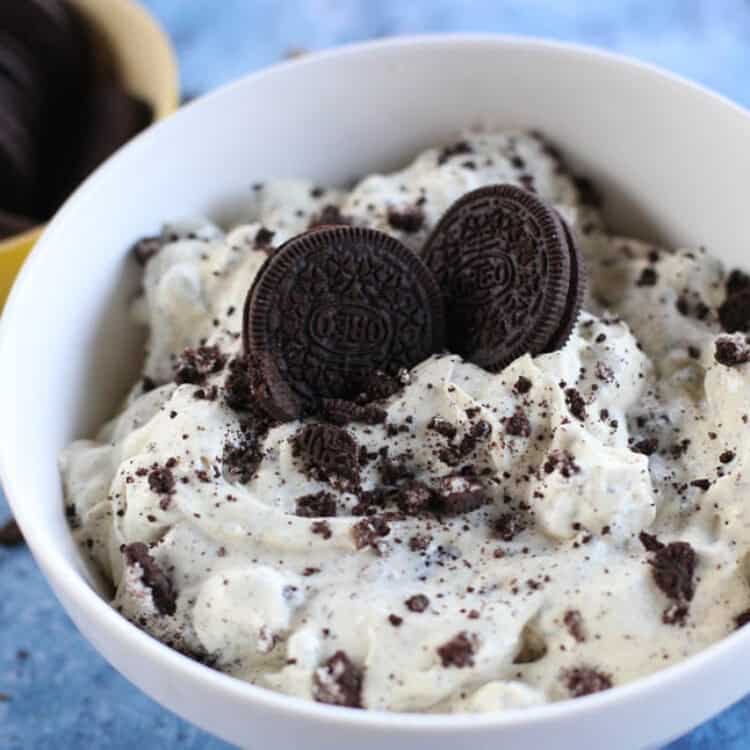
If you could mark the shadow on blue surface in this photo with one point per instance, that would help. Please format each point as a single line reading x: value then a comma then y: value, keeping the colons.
x: 61, y: 694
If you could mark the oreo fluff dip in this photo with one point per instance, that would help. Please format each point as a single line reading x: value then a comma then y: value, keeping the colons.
x: 455, y: 539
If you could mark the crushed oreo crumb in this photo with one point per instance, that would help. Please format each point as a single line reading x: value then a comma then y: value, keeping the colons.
x: 582, y: 681
x: 329, y: 453
x: 673, y: 568
x: 461, y: 494
x: 576, y: 403
x: 317, y: 505
x: 263, y: 238
x: 417, y: 603
x: 152, y: 576
x: 341, y: 412
x: 648, y: 277
x: 195, y: 365
x: 734, y: 312
x: 508, y: 526
x: 338, y: 682
x: 518, y: 425
x: 522, y: 386
x: 369, y: 531
x: 455, y: 149
x: 409, y: 220
x: 161, y: 480
x: 457, y: 652
x: 442, y: 427
x: 730, y: 353
x: 322, y: 528
x: 574, y: 623
x: 329, y: 214
x: 647, y: 446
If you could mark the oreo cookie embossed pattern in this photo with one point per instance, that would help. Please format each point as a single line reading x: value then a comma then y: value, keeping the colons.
x: 507, y: 268
x: 332, y: 306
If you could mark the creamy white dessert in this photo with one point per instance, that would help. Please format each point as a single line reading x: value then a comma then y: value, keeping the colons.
x: 613, y: 533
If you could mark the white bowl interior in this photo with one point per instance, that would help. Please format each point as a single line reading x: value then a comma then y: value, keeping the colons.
x: 671, y: 160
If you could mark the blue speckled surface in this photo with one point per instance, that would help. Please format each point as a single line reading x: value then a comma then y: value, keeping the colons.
x: 61, y: 694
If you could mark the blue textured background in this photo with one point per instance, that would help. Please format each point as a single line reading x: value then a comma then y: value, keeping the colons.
x: 60, y: 693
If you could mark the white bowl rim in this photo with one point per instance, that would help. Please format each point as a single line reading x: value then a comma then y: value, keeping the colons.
x: 58, y: 568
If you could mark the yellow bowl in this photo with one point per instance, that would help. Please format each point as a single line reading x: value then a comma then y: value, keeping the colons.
x: 130, y: 41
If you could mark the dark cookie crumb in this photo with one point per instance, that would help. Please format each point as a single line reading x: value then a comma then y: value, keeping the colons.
x: 647, y: 446
x: 731, y: 354
x: 564, y: 462
x: 701, y: 484
x: 369, y: 531
x: 338, y: 682
x: 341, y: 412
x: 648, y: 277
x: 518, y: 425
x: 329, y: 453
x: 582, y: 681
x: 152, y: 576
x: 576, y: 403
x: 574, y: 623
x: 442, y: 427
x: 508, y: 526
x: 161, y: 480
x: 409, y: 220
x: 263, y: 239
x: 734, y: 312
x: 522, y: 386
x: 329, y: 214
x: 673, y: 568
x: 461, y: 494
x: 455, y: 149
x: 10, y: 534
x: 195, y: 365
x: 458, y: 651
x: 378, y: 387
x: 417, y: 603
x: 322, y: 528
x: 242, y: 455
x: 414, y: 498
x: 395, y: 620
x: 317, y: 505
x: 727, y: 457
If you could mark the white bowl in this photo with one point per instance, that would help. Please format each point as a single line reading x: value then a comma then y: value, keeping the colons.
x: 673, y: 161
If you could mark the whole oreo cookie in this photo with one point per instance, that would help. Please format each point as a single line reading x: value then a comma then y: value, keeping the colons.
x: 509, y: 277
x: 330, y: 307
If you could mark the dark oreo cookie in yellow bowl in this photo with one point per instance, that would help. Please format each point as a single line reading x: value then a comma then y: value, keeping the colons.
x: 53, y: 52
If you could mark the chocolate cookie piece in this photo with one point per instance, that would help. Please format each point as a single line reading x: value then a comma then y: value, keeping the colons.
x: 509, y: 274
x: 332, y: 306
x: 328, y: 452
x: 153, y: 577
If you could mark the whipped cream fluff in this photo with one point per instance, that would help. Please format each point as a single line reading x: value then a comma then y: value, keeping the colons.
x: 220, y: 540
